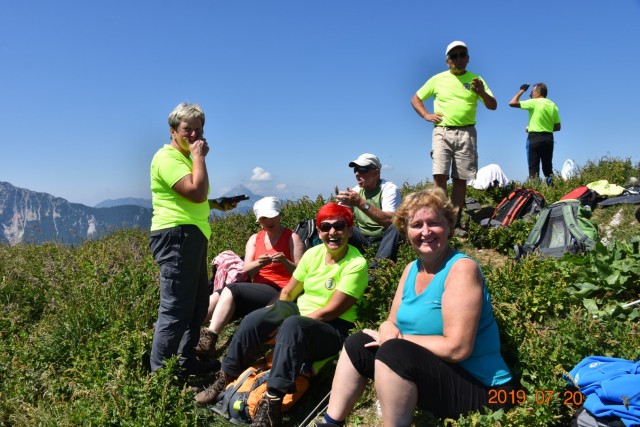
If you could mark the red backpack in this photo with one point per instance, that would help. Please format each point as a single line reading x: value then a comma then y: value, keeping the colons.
x: 585, y: 195
x: 520, y: 202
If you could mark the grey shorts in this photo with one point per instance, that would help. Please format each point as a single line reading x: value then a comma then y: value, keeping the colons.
x: 454, y: 152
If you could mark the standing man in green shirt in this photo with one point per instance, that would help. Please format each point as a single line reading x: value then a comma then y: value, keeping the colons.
x: 543, y: 121
x: 454, y: 143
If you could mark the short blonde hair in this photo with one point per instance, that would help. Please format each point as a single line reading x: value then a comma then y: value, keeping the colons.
x: 184, y: 112
x: 433, y: 197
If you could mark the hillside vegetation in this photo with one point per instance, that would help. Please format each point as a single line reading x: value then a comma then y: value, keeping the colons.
x: 77, y: 322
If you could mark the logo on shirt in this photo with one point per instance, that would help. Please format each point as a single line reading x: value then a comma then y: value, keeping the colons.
x: 330, y: 284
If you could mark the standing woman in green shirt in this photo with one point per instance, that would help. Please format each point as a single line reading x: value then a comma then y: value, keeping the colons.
x: 180, y: 233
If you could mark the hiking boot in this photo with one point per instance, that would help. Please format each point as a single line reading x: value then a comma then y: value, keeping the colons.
x: 269, y: 413
x: 206, y: 347
x: 209, y: 394
x: 320, y: 423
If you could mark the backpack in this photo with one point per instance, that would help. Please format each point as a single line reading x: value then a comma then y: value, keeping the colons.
x: 585, y: 195
x: 561, y: 227
x: 520, y: 202
x: 583, y: 418
x: 239, y: 401
x: 308, y: 232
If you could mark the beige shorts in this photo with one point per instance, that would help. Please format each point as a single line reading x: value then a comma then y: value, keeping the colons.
x: 454, y: 152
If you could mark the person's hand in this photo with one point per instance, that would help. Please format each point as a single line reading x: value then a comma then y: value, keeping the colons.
x: 278, y: 257
x: 199, y: 148
x: 228, y: 204
x: 524, y: 87
x: 388, y: 331
x: 373, y: 334
x: 348, y: 198
x: 264, y: 259
x: 477, y: 86
x: 433, y: 118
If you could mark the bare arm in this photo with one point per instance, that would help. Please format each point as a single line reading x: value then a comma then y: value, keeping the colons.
x: 489, y: 101
x: 381, y: 217
x: 420, y: 109
x: 556, y: 127
x: 253, y: 264
x: 515, y: 101
x: 296, y: 247
x: 291, y: 291
x: 338, y: 304
x: 195, y: 186
x: 353, y: 199
x: 388, y: 329
x: 461, y: 307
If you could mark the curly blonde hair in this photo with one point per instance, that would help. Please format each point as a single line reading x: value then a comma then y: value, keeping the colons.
x: 433, y: 197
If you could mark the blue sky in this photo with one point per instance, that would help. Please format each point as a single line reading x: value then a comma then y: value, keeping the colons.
x: 294, y: 90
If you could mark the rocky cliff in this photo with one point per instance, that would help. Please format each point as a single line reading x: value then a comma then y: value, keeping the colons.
x: 31, y: 217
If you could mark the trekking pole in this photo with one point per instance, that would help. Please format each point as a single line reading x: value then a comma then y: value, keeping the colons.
x: 631, y: 304
x: 315, y: 411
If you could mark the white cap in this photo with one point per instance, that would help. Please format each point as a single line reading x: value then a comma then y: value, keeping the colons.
x: 268, y: 207
x: 456, y: 43
x: 366, y: 159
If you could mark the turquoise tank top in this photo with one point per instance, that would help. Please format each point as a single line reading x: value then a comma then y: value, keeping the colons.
x: 422, y: 315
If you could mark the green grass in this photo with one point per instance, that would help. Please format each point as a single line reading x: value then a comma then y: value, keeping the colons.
x: 76, y: 322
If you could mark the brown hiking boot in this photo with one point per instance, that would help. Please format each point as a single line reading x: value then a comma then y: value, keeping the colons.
x: 206, y: 347
x: 269, y: 413
x: 209, y: 394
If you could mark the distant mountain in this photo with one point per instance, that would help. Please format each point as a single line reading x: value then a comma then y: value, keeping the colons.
x: 32, y: 217
x: 243, y: 207
x: 133, y: 201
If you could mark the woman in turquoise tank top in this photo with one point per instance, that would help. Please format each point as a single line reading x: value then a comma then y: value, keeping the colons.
x: 439, y: 348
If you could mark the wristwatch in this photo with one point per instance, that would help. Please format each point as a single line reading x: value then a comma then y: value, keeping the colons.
x: 366, y: 207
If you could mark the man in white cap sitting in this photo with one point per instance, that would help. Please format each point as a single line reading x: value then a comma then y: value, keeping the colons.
x: 373, y: 200
x: 454, y: 144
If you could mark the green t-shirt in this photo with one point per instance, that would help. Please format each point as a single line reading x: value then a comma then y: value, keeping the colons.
x: 369, y: 227
x: 543, y: 114
x: 169, y: 208
x: 349, y: 276
x: 453, y: 98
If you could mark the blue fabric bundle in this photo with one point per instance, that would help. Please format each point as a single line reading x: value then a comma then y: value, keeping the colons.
x: 611, y: 387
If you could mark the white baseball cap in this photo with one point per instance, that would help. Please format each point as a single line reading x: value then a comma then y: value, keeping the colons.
x: 453, y: 44
x: 267, y: 207
x: 366, y: 159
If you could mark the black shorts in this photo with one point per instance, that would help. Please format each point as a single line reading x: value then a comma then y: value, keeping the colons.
x: 251, y: 296
x: 444, y: 389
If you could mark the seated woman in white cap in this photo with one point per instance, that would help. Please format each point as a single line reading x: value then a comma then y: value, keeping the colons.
x: 271, y: 256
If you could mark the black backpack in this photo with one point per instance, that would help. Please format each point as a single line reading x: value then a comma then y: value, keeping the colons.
x: 520, y: 202
x: 584, y: 418
x: 560, y: 228
x: 308, y: 232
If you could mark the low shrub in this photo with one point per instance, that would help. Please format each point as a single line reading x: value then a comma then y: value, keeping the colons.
x: 76, y: 324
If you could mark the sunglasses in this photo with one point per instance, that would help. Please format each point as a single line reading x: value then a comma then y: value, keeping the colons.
x: 361, y: 169
x: 325, y: 227
x: 454, y: 56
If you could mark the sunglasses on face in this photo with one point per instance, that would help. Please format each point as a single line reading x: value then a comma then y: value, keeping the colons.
x: 361, y: 169
x: 325, y: 227
x: 454, y: 56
